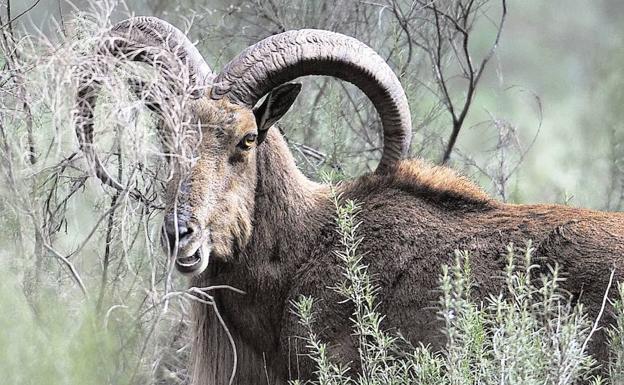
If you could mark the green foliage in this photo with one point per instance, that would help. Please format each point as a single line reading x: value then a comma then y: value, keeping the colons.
x: 51, y: 341
x: 616, y: 337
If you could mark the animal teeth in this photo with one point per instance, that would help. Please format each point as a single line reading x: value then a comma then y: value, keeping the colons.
x: 186, y: 264
x: 189, y: 261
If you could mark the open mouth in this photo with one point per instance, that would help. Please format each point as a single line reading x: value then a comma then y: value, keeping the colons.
x: 195, y: 263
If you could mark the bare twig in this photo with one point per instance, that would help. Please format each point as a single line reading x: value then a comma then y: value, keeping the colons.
x: 70, y: 266
x: 9, y: 23
x: 459, y: 25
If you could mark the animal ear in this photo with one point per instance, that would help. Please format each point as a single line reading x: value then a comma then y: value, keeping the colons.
x: 275, y: 105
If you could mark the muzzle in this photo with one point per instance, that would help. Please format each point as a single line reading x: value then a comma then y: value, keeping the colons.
x: 187, y: 243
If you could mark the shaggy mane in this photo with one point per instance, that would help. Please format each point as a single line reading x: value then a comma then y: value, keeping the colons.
x: 439, y: 184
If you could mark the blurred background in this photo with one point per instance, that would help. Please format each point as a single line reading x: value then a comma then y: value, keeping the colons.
x: 87, y: 295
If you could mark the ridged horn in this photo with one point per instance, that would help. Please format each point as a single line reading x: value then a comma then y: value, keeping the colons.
x: 281, y: 58
x: 142, y: 39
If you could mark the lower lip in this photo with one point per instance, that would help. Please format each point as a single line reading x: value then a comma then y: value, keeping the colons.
x: 189, y: 265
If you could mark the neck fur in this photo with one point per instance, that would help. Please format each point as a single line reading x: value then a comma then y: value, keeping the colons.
x: 286, y: 205
x: 282, y: 190
x: 288, y: 214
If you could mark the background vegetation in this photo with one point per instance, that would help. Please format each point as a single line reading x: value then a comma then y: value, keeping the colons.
x: 86, y: 293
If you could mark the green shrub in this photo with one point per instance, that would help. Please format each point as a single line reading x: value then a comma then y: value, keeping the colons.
x: 52, y: 342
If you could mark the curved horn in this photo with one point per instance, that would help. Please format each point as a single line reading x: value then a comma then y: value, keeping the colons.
x: 143, y: 39
x: 284, y: 57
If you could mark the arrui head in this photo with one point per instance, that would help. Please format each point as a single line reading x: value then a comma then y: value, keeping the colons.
x: 210, y: 199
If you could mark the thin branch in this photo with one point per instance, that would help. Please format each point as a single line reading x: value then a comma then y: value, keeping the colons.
x: 70, y: 266
x: 473, y: 78
x: 10, y: 22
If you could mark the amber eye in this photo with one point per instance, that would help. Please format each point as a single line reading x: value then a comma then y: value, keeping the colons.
x: 248, y: 141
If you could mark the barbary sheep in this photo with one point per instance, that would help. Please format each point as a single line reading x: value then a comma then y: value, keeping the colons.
x: 243, y: 215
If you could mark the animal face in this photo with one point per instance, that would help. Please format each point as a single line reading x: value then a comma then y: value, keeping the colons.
x: 211, y: 196
x: 210, y: 199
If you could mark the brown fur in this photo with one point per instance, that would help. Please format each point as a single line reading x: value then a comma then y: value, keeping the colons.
x: 412, y: 221
x: 220, y: 176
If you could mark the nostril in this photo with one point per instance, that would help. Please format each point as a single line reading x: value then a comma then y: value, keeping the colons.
x: 182, y: 230
x: 178, y: 236
x: 185, y: 231
x: 174, y: 232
